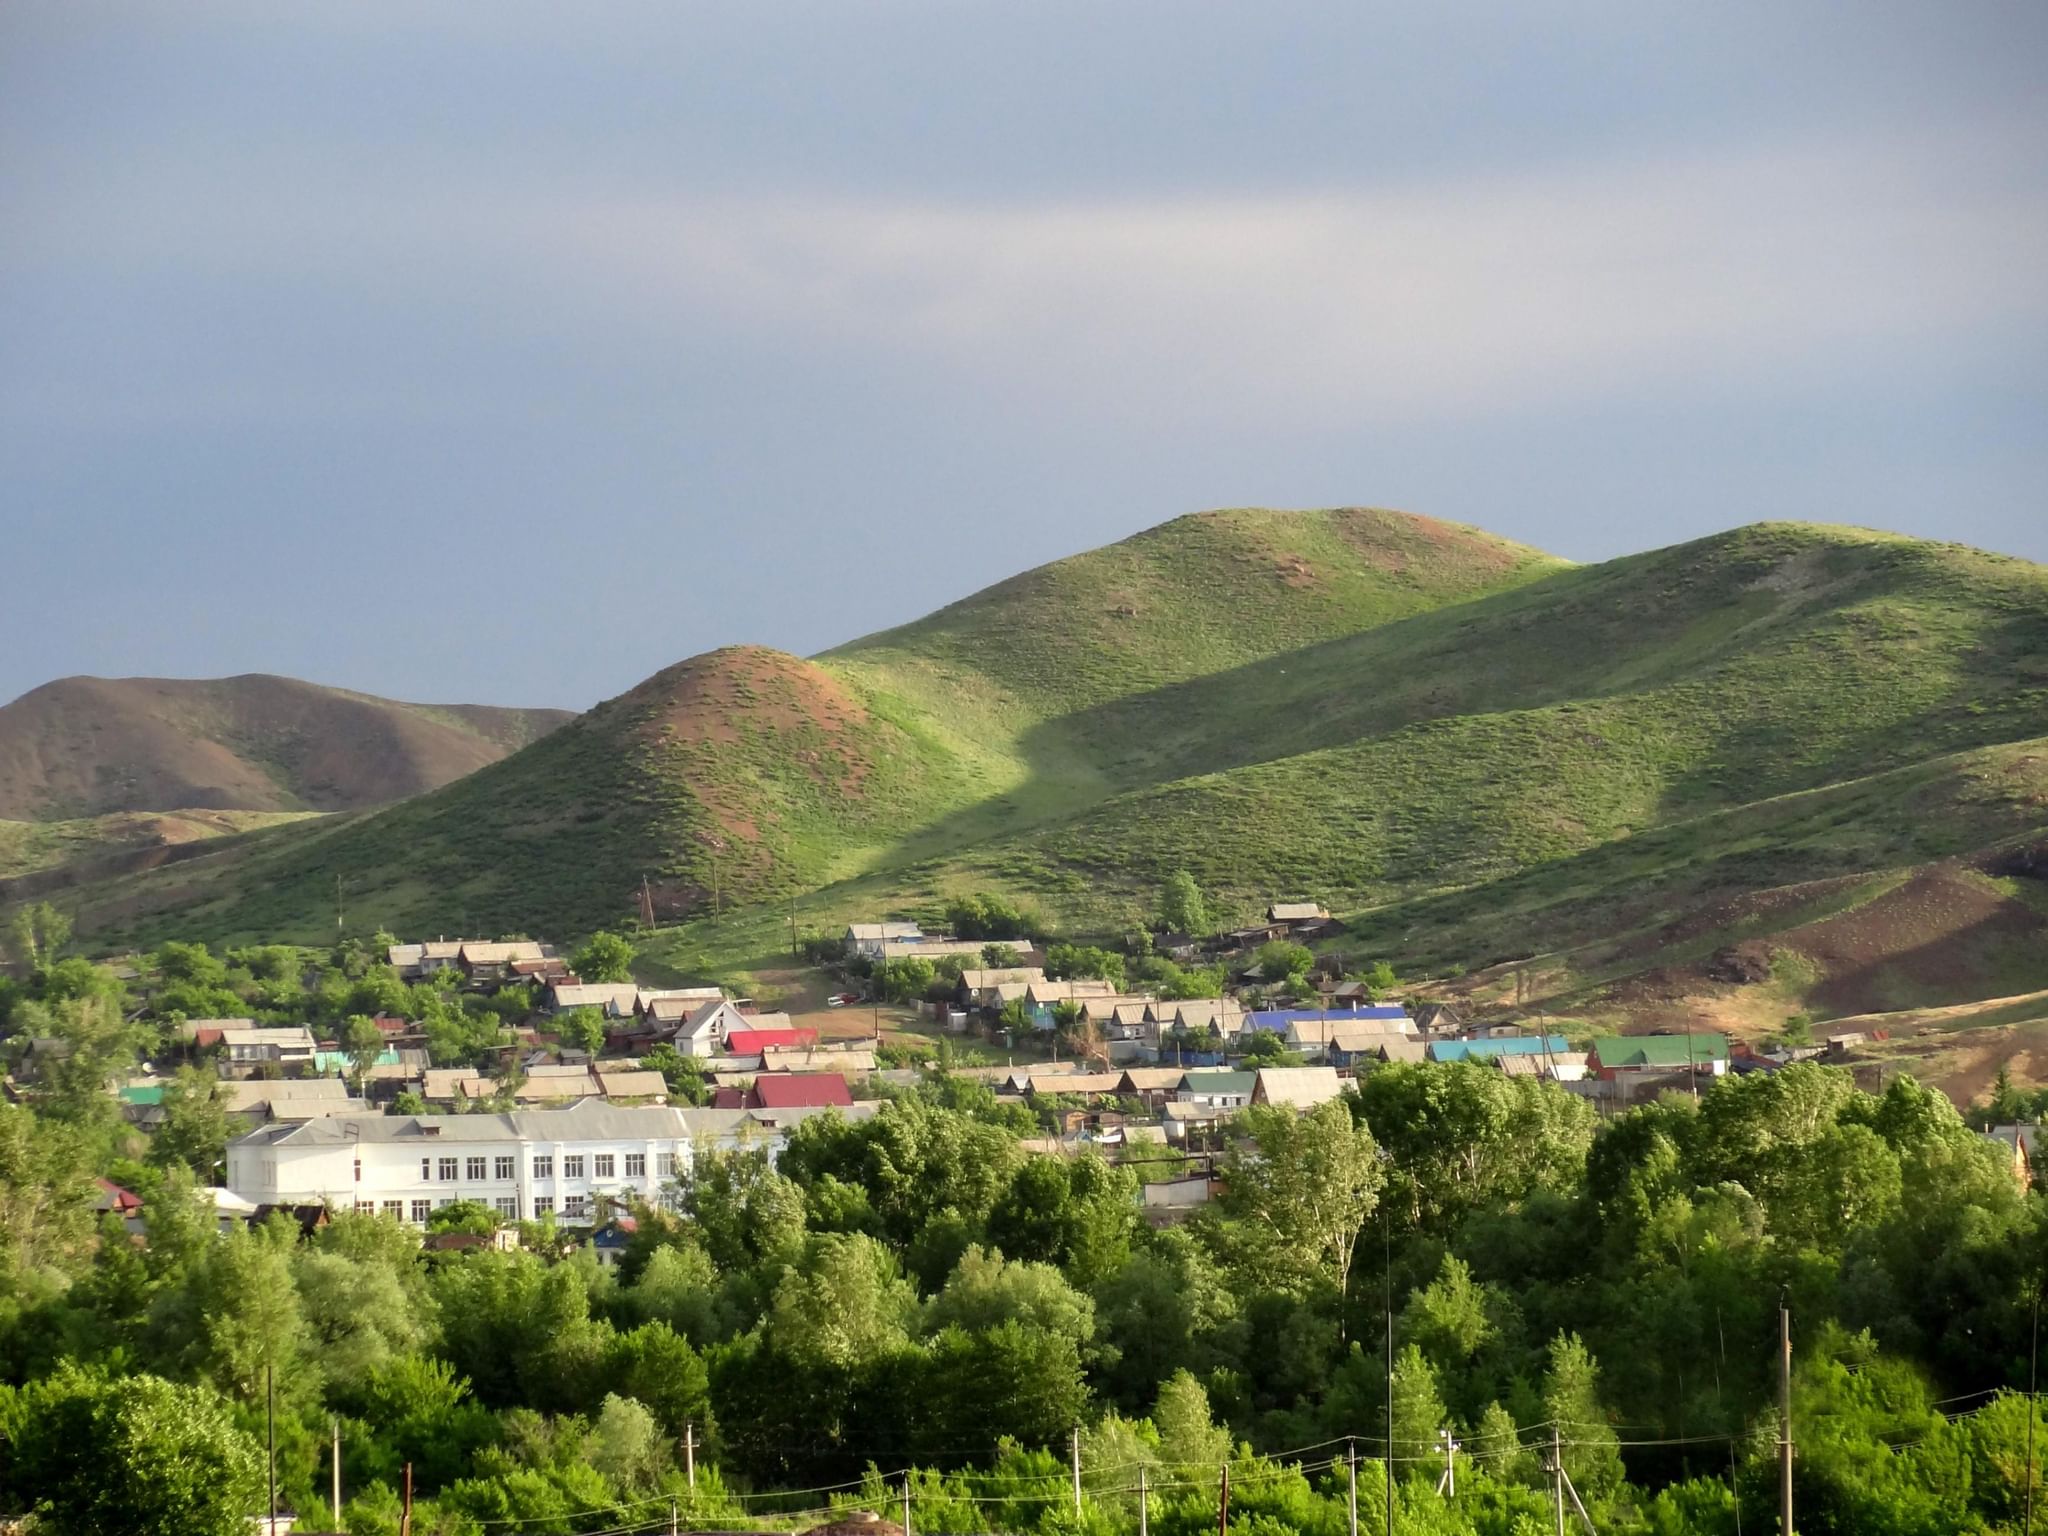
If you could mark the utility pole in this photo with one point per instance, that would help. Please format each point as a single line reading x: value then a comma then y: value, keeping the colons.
x: 337, y: 907
x: 270, y: 1421
x: 1075, y: 1442
x: 673, y: 1525
x: 335, y: 1425
x: 690, y: 1455
x: 1557, y: 1476
x: 1351, y: 1479
x: 2033, y: 1405
x: 1448, y: 1487
x: 1785, y: 1416
x: 1390, y: 1391
x: 1144, y: 1513
x: 906, y: 1504
x: 1223, y: 1505
x: 405, y: 1509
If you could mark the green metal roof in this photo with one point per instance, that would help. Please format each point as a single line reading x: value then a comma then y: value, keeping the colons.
x: 143, y: 1093
x: 1660, y: 1050
x: 1220, y: 1082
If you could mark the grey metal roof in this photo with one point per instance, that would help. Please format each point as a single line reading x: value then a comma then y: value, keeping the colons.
x: 588, y: 1120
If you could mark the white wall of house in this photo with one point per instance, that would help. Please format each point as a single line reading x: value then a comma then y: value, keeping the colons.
x: 409, y: 1178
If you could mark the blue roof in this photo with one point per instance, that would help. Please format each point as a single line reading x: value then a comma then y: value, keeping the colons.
x: 1483, y: 1050
x: 1277, y: 1019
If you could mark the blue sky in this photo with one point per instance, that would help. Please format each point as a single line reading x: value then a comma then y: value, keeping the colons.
x: 509, y: 352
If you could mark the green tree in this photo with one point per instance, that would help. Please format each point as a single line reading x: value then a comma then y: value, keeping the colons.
x: 683, y: 1074
x: 195, y: 1127
x: 844, y: 1304
x: 604, y: 957
x: 582, y: 1028
x: 36, y: 934
x: 364, y: 1043
x: 470, y: 1217
x: 1189, y: 1439
x: 742, y: 1209
x: 1418, y: 1410
x: 1304, y: 1185
x: 906, y: 978
x: 1001, y: 956
x: 1064, y: 962
x: 139, y: 1454
x: 1282, y: 960
x: 1571, y: 1400
x: 1181, y: 907
x: 984, y: 1291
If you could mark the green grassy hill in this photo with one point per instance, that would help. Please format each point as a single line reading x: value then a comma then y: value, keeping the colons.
x: 1479, y: 750
x: 748, y: 774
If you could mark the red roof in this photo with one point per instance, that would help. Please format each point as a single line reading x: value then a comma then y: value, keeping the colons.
x: 800, y: 1090
x: 114, y: 1198
x: 751, y: 1042
x: 390, y: 1024
x: 202, y: 1038
x: 729, y: 1098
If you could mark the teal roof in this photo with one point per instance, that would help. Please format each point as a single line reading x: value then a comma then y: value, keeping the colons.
x: 337, y: 1061
x: 1507, y: 1045
x: 143, y: 1093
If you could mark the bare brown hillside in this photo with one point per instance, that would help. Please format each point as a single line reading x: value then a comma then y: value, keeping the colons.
x: 92, y: 746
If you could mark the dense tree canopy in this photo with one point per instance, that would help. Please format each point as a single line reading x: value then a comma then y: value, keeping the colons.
x: 915, y: 1290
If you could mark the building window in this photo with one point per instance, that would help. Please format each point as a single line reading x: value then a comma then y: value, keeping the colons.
x: 508, y: 1167
x: 476, y: 1168
x: 542, y: 1205
x: 395, y: 1209
x: 636, y: 1165
x: 665, y: 1164
x: 448, y: 1166
x: 573, y: 1205
x: 367, y: 1207
x: 507, y: 1205
x: 607, y: 1165
x: 421, y: 1210
x: 359, y: 1170
x: 572, y: 1166
x: 441, y: 1200
x: 544, y: 1167
x: 426, y: 1169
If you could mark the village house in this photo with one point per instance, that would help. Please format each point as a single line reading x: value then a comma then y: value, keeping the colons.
x: 1616, y: 1057
x: 486, y: 964
x: 1349, y: 1044
x: 1217, y: 1090
x: 613, y: 998
x: 244, y: 1051
x: 1152, y: 1086
x: 1042, y: 997
x: 704, y: 1032
x: 988, y: 989
x: 865, y: 940
x: 417, y: 962
x: 288, y: 1101
x: 930, y: 948
x: 788, y: 1090
x: 848, y: 1060
x: 1296, y: 1087
x: 769, y: 1031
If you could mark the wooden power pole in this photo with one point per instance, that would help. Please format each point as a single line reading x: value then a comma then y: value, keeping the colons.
x: 1785, y: 1417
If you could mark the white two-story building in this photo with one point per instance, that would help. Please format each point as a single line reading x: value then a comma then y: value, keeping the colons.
x: 522, y: 1165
